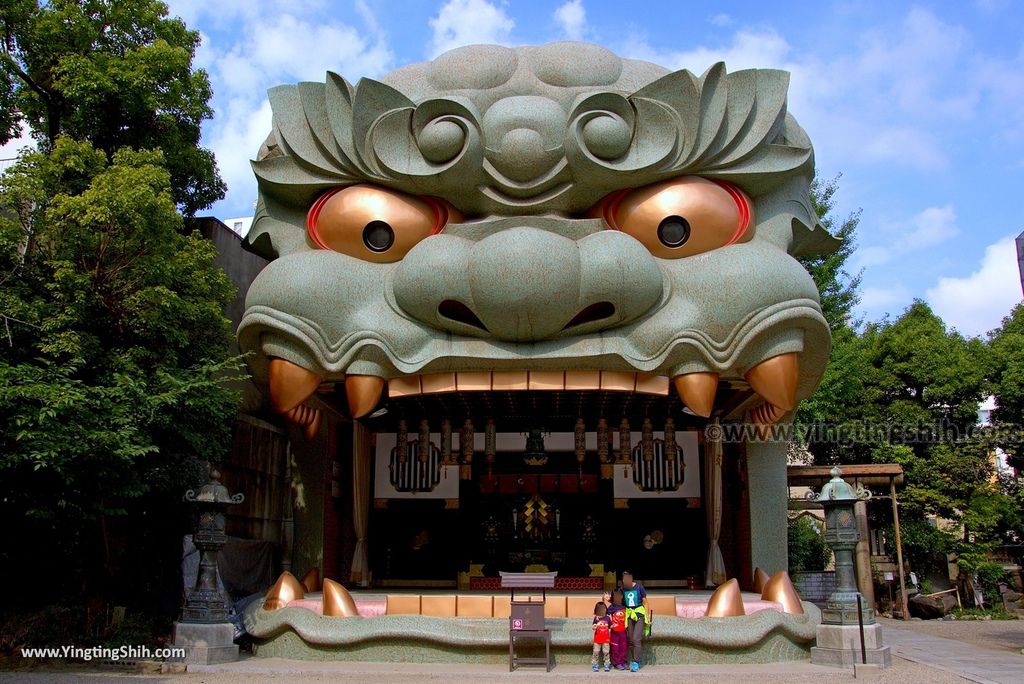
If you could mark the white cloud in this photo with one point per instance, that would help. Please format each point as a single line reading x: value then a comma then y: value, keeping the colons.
x: 248, y: 54
x: 572, y: 18
x: 978, y: 302
x: 928, y: 228
x: 748, y: 49
x: 721, y: 19
x: 879, y: 99
x: 468, y: 22
x: 913, y: 66
x: 242, y: 130
x: 883, y: 298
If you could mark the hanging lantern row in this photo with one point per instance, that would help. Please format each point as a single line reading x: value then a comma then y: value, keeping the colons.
x: 658, y: 466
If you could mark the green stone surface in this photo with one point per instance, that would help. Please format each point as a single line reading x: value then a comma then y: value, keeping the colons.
x: 523, y: 141
x: 765, y: 636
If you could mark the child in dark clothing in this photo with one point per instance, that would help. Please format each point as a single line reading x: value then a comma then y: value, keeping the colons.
x: 619, y: 643
x: 602, y: 630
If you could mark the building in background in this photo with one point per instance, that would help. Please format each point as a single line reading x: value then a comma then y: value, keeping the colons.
x: 1020, y: 258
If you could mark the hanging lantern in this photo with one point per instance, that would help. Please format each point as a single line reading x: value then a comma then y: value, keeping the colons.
x: 424, y: 445
x: 625, y: 442
x: 466, y: 441
x: 581, y: 441
x: 466, y: 447
x: 647, y: 440
x: 670, y: 440
x: 490, y: 440
x: 446, y: 441
x: 402, y: 441
x: 603, y: 441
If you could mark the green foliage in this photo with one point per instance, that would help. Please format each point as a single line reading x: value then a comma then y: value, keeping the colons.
x: 990, y: 576
x: 838, y: 287
x: 807, y: 550
x: 114, y: 73
x: 924, y: 546
x: 840, y: 394
x: 111, y: 378
x: 1006, y: 372
x: 115, y: 347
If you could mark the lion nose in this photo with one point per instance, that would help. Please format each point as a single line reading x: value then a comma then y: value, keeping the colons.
x: 526, y: 284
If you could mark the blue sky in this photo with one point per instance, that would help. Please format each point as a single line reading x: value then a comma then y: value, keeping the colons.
x: 919, y: 107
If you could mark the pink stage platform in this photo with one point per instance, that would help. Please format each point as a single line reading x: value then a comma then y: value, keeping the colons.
x: 692, y: 604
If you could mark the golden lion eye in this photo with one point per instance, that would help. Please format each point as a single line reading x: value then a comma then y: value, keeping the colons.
x: 681, y: 217
x: 375, y: 224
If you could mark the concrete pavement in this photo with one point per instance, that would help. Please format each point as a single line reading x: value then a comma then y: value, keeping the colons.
x: 974, y: 663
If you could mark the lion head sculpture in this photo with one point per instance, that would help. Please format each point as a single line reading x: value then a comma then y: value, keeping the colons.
x: 535, y: 218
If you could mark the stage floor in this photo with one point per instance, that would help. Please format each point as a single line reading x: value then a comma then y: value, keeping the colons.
x: 489, y: 604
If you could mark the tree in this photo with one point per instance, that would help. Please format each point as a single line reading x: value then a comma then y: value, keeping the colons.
x: 110, y: 381
x: 117, y: 73
x: 840, y: 393
x: 807, y: 550
x: 115, y: 345
x: 1006, y: 373
x: 837, y: 287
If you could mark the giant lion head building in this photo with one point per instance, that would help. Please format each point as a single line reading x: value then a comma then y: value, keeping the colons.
x: 535, y: 309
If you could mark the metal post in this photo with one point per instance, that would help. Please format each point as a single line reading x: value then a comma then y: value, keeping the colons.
x: 860, y: 623
x: 899, y: 549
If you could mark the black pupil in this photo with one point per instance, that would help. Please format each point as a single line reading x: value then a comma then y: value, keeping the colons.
x: 674, y: 231
x: 378, y: 236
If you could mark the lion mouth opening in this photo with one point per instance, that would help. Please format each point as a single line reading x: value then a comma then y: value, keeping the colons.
x: 523, y: 397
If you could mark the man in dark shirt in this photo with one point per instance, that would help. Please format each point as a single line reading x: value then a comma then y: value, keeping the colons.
x: 634, y: 596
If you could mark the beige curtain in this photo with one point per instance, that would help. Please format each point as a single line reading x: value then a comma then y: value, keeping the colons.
x: 715, y: 574
x: 360, y: 502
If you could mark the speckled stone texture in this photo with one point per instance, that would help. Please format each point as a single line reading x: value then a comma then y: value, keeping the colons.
x: 524, y: 141
x: 766, y: 636
x: 769, y: 495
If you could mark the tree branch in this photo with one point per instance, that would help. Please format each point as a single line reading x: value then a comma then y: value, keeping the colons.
x: 26, y: 78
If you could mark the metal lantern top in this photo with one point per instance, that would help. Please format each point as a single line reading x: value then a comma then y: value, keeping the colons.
x: 838, y: 490
x: 213, y: 492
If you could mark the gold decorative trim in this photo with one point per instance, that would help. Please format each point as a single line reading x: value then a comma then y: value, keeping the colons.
x: 518, y: 381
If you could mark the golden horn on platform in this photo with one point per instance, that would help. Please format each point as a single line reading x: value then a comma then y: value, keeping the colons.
x: 727, y: 601
x: 285, y: 590
x: 781, y: 590
x: 697, y: 391
x: 337, y: 601
x: 290, y: 384
x: 760, y: 579
x: 363, y: 393
x: 311, y: 580
x: 775, y: 379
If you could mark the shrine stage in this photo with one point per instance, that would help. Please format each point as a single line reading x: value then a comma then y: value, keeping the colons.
x: 438, y: 626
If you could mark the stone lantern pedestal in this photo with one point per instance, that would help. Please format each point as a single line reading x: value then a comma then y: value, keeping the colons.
x: 204, y: 630
x: 839, y: 634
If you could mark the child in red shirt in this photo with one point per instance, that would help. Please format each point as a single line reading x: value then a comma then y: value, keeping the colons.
x: 619, y: 642
x: 602, y: 637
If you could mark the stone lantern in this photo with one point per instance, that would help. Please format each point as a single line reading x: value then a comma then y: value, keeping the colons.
x: 839, y: 640
x: 204, y: 630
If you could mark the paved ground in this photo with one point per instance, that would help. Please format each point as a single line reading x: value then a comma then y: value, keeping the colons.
x: 923, y: 651
x: 917, y: 642
x: 1001, y: 635
x: 272, y: 670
